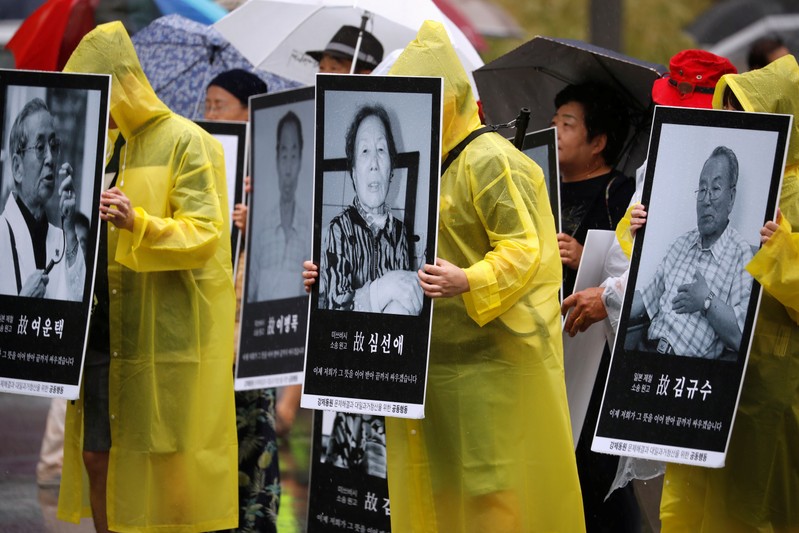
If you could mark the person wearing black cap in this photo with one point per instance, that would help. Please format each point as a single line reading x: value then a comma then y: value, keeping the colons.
x: 227, y: 96
x: 337, y: 56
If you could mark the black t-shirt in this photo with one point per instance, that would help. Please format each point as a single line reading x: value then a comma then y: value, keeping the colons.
x: 596, y: 203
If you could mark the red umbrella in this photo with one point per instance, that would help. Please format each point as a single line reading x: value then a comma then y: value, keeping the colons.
x: 47, y: 38
x: 454, y: 14
x: 63, y: 22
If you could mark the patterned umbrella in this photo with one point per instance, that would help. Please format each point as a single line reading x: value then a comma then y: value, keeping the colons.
x: 180, y: 56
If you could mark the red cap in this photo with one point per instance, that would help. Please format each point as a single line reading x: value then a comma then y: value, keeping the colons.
x: 692, y: 79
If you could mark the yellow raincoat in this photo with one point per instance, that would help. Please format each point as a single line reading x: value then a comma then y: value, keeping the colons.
x: 758, y: 489
x: 495, y: 450
x: 173, y: 461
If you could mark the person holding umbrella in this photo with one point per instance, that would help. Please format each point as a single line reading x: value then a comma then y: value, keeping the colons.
x: 592, y: 125
x: 339, y: 53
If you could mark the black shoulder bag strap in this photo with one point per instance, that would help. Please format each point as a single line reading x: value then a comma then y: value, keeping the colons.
x: 455, y: 152
x: 16, y: 257
x: 592, y: 205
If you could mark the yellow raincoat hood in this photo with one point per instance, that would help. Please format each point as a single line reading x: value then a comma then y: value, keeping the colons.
x: 431, y: 54
x: 772, y: 89
x: 109, y: 50
x: 173, y: 461
x: 495, y: 352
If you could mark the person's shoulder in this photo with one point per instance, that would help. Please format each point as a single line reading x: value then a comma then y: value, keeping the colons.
x: 185, y: 130
x: 685, y: 240
x: 493, y: 151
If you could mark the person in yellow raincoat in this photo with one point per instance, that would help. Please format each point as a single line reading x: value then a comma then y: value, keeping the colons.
x: 494, y: 451
x: 172, y: 465
x: 758, y: 488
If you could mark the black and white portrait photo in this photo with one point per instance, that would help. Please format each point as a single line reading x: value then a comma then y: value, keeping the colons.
x: 692, y: 291
x: 53, y: 140
x: 45, y: 197
x: 375, y: 223
x: 349, y: 480
x: 712, y: 180
x: 370, y: 253
x: 354, y: 442
x: 283, y: 193
x: 274, y: 311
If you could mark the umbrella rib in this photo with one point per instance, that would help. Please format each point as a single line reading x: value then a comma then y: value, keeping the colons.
x: 554, y: 74
x: 630, y: 97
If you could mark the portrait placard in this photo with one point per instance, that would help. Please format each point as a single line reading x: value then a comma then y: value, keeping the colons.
x: 53, y: 159
x: 582, y: 354
x: 542, y: 147
x: 712, y: 181
x: 233, y: 137
x: 274, y: 309
x: 348, y: 486
x: 375, y: 223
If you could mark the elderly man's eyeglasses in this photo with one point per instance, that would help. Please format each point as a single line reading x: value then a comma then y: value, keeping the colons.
x: 714, y: 192
x: 54, y: 144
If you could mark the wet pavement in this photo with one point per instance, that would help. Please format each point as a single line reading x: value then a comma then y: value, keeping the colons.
x: 27, y: 508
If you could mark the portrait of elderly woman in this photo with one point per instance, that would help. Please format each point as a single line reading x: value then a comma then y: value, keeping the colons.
x: 366, y: 263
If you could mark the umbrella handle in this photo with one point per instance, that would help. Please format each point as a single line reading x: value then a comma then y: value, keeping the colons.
x: 521, y: 127
x: 364, y: 18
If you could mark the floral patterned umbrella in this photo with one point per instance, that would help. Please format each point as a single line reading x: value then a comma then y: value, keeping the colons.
x: 180, y: 56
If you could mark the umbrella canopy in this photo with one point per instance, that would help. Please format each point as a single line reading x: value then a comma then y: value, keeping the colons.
x: 180, y: 56
x: 725, y: 18
x: 275, y: 34
x: 735, y: 47
x: 531, y: 75
x: 46, y: 39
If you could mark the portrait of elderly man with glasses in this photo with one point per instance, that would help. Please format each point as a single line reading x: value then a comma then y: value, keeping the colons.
x: 697, y: 300
x: 39, y: 259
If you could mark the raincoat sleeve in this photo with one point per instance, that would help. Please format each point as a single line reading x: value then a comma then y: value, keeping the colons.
x: 189, y: 237
x: 774, y: 267
x: 504, y: 197
x: 623, y: 234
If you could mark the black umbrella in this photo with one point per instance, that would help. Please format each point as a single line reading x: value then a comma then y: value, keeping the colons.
x: 531, y: 75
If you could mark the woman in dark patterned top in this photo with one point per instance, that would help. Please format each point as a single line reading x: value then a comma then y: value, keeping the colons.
x: 367, y: 265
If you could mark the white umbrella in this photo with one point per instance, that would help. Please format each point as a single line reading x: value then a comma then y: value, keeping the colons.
x: 275, y: 34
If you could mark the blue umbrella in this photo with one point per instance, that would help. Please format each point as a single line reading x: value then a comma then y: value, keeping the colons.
x: 180, y: 56
x: 205, y: 11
